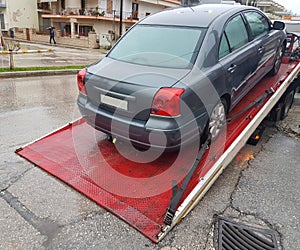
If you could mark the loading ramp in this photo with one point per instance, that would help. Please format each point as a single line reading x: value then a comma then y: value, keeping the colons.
x: 139, y: 193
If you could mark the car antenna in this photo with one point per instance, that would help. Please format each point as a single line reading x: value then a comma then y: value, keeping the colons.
x: 187, y: 3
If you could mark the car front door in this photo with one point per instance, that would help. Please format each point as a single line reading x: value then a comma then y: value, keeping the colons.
x: 265, y: 44
x: 236, y: 56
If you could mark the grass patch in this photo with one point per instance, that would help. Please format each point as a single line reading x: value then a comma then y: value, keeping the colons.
x: 41, y: 68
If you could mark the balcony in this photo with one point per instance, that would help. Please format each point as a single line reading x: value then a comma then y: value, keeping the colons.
x: 43, y: 7
x: 267, y: 6
x: 98, y: 12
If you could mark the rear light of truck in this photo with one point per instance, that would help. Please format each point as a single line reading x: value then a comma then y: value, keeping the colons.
x: 167, y: 102
x: 80, y: 81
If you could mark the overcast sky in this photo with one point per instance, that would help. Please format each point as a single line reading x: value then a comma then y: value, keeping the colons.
x: 293, y: 5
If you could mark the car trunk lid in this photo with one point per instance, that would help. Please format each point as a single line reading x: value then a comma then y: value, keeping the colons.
x: 127, y: 89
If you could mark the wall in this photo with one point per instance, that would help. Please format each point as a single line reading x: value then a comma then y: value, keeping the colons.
x: 22, y: 13
x: 92, y: 4
x: 73, y: 4
x: 102, y: 27
x: 149, y: 8
x: 77, y: 42
x: 127, y: 5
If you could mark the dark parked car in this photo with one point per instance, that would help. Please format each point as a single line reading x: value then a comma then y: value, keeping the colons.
x: 175, y: 74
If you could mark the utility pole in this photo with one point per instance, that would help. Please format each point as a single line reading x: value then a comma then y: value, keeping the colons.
x: 121, y: 17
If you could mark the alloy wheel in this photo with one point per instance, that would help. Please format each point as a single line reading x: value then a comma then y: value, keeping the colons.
x: 217, y: 120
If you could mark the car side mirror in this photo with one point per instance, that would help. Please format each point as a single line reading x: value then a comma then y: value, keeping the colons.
x: 277, y: 25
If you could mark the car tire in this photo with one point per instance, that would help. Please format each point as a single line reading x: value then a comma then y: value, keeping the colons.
x: 278, y: 59
x: 217, y: 119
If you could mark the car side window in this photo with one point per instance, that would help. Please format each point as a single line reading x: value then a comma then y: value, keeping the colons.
x: 257, y: 22
x: 236, y: 33
x: 224, y: 47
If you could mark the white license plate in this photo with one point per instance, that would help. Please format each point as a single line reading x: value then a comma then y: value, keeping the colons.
x: 115, y: 102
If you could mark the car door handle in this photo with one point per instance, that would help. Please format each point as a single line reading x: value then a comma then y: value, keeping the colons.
x: 232, y: 68
x: 261, y: 49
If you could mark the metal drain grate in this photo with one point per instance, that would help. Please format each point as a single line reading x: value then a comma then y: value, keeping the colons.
x: 233, y: 235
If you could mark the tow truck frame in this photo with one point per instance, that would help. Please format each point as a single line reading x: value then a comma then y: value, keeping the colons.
x: 157, y: 227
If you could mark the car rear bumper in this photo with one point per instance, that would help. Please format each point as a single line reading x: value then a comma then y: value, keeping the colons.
x: 165, y: 133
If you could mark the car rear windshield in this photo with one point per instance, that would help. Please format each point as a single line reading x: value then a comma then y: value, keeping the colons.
x: 159, y: 46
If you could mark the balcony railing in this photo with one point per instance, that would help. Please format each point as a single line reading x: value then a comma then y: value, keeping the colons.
x: 98, y: 12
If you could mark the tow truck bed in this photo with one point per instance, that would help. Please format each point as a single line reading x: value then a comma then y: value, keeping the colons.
x: 140, y: 193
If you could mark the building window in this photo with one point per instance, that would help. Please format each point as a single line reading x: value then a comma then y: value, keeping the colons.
x: 2, y: 21
x: 83, y: 3
x: 63, y: 5
x: 44, y: 6
x: 82, y: 30
x: 135, y: 10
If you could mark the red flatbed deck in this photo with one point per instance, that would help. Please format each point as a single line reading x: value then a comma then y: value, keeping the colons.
x: 139, y: 193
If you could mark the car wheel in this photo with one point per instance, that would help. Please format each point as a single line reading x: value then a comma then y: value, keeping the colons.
x: 217, y: 119
x: 278, y: 58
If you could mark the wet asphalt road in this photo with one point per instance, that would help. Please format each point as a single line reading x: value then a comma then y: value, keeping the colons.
x: 39, y: 212
x: 261, y: 186
x: 59, y: 56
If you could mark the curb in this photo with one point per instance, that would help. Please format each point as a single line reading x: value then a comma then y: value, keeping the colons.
x: 38, y: 73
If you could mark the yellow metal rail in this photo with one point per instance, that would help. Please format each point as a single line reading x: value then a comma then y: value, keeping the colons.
x: 8, y: 52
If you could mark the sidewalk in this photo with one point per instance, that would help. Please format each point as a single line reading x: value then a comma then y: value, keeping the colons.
x: 59, y: 56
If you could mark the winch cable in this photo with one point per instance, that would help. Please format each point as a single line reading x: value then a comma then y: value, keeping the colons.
x: 260, y: 100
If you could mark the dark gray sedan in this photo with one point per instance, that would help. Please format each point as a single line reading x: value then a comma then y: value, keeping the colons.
x: 173, y: 76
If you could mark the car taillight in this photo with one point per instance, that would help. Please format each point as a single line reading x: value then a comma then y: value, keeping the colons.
x: 167, y: 102
x: 80, y: 80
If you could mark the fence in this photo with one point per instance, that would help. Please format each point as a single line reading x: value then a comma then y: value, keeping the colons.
x: 12, y: 51
x: 42, y: 37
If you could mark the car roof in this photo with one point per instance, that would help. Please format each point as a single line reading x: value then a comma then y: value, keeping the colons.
x: 197, y: 16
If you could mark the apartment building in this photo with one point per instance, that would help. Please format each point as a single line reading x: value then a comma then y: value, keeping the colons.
x: 78, y: 17
x: 74, y: 19
x: 273, y: 9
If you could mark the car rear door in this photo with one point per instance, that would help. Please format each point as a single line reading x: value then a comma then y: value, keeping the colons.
x: 237, y: 57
